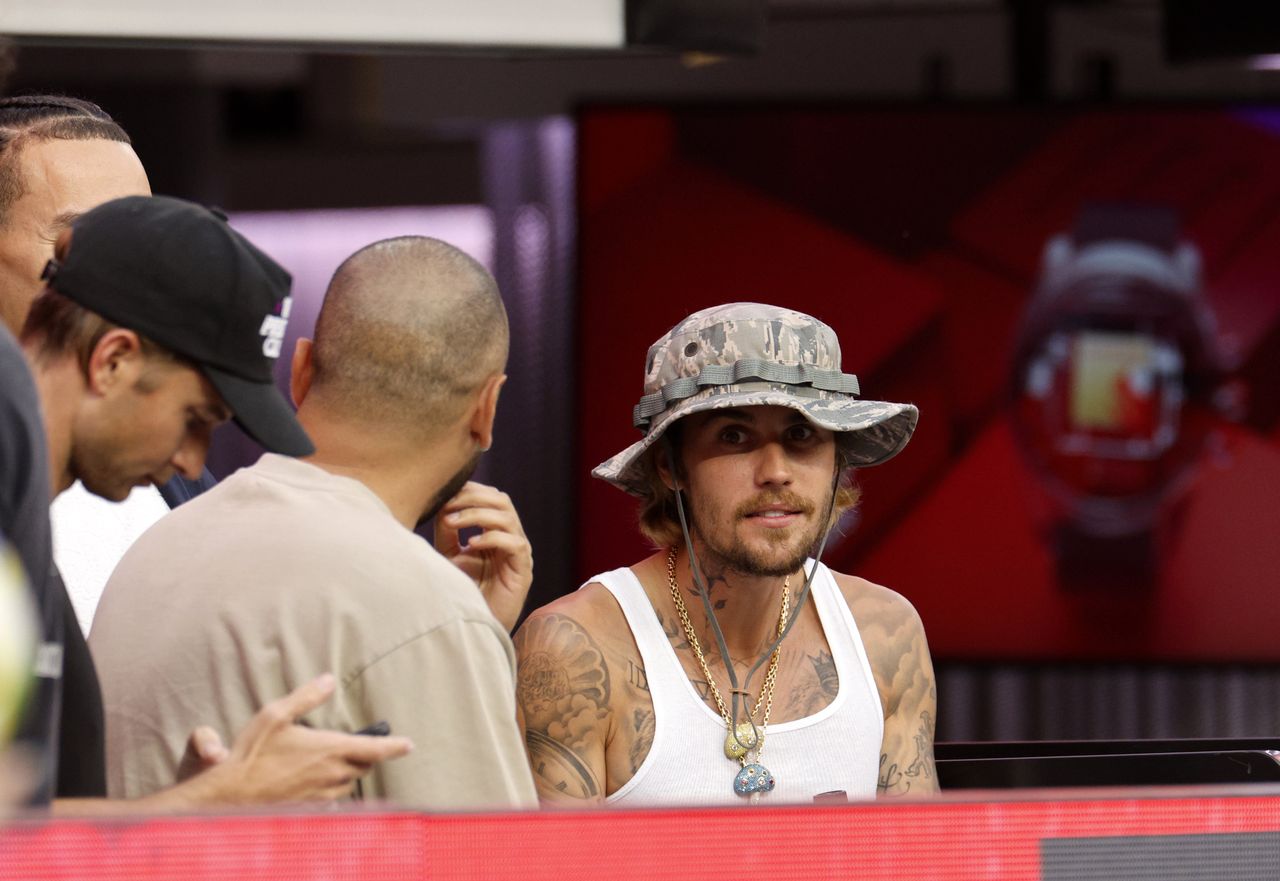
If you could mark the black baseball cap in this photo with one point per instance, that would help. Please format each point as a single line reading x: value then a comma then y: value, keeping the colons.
x: 178, y: 274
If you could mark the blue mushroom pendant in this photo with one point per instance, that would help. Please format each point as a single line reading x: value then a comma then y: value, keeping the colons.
x: 753, y: 778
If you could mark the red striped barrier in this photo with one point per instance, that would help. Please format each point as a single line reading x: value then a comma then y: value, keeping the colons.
x: 954, y: 837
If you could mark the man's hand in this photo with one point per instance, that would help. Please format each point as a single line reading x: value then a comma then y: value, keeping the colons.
x: 277, y: 760
x: 273, y: 760
x: 499, y: 559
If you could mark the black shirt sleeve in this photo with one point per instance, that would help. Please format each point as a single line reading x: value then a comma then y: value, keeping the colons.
x: 24, y: 521
x: 82, y: 746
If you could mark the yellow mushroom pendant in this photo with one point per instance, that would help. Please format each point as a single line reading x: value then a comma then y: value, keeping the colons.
x: 740, y: 740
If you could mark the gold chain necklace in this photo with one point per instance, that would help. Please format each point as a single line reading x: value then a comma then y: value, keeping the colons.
x: 754, y: 778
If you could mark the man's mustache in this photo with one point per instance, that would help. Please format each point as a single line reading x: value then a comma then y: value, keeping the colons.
x: 764, y: 500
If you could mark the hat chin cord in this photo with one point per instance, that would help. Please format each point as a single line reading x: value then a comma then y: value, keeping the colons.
x: 735, y: 689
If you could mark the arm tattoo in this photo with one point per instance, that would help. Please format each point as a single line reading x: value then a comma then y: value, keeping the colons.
x: 904, y: 675
x: 644, y: 726
x: 890, y: 781
x: 556, y: 766
x: 895, y: 782
x: 563, y: 690
x: 922, y: 764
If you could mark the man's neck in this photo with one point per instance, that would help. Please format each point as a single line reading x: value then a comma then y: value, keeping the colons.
x: 59, y: 386
x: 747, y: 607
x: 405, y: 474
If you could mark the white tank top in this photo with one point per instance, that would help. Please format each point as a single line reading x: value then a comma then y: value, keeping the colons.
x: 837, y: 748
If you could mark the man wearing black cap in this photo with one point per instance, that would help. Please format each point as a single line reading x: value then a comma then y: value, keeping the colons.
x: 731, y: 665
x: 200, y: 298
x: 159, y: 322
x: 59, y: 157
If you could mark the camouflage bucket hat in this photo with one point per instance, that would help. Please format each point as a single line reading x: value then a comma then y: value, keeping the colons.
x: 750, y: 355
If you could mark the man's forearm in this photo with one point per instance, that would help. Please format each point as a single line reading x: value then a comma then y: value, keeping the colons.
x: 198, y: 792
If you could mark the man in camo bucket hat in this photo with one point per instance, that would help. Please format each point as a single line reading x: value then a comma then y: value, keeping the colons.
x: 747, y: 355
x: 624, y: 688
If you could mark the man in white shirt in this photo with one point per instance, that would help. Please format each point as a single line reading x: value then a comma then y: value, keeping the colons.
x: 732, y: 665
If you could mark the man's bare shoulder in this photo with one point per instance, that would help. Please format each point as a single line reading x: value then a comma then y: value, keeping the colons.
x: 590, y: 615
x: 874, y: 605
x: 592, y: 607
x: 897, y: 650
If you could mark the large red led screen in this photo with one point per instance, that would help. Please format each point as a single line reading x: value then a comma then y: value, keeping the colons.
x: 1097, y: 466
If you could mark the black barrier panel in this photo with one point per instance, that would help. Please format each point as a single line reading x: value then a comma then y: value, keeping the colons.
x: 1154, y: 769
x: 1237, y: 856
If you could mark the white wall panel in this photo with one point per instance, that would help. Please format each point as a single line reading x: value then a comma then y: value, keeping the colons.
x: 560, y: 23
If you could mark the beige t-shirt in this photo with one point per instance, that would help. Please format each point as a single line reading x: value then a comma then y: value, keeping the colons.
x: 285, y: 571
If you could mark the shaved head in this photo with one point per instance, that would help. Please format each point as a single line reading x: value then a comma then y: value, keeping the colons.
x: 410, y: 329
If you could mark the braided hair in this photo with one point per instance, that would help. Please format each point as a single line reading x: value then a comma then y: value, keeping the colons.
x: 45, y: 117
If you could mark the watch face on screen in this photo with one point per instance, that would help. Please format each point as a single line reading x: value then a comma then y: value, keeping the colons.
x: 1104, y: 407
x: 1114, y: 387
x: 1108, y: 394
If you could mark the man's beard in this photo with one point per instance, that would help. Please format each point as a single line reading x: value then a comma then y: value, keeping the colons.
x: 734, y: 554
x: 451, y: 488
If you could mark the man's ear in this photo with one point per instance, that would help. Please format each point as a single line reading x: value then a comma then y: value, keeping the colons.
x: 662, y: 453
x: 115, y: 362
x: 485, y: 410
x: 301, y: 371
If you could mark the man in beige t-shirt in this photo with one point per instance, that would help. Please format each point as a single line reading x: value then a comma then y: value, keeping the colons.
x: 294, y: 567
